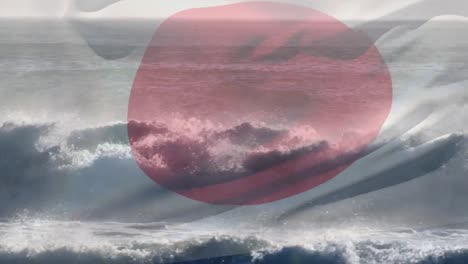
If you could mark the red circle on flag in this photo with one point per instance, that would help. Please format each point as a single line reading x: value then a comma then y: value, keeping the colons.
x: 255, y: 102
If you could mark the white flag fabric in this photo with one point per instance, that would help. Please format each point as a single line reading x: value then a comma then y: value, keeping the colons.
x: 233, y: 131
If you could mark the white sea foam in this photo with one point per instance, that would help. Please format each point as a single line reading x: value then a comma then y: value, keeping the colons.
x: 49, y: 240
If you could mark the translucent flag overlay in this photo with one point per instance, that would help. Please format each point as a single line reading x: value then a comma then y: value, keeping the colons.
x: 233, y: 131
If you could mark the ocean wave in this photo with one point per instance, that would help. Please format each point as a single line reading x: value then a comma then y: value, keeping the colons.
x: 286, y: 255
x: 39, y: 241
x: 87, y: 172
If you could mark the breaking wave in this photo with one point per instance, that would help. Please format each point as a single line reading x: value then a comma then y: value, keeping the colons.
x: 90, y: 173
x: 58, y: 162
x: 47, y: 241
